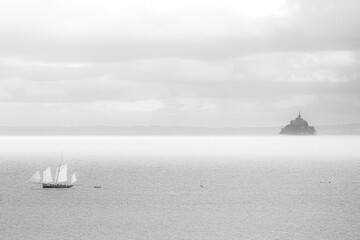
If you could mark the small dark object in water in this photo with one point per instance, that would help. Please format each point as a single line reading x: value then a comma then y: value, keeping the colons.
x: 201, y: 186
x: 325, y: 181
x: 97, y: 186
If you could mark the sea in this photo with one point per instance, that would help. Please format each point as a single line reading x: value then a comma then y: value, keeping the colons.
x: 183, y: 187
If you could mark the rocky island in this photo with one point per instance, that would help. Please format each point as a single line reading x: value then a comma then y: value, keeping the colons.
x: 298, y: 127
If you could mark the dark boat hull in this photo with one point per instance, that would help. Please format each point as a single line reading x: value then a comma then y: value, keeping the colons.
x: 49, y: 185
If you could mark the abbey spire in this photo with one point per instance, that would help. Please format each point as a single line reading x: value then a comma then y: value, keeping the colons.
x: 299, y: 126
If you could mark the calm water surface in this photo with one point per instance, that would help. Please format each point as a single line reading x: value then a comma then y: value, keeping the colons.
x: 253, y: 188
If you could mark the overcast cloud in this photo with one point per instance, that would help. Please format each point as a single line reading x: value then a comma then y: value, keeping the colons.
x: 219, y: 63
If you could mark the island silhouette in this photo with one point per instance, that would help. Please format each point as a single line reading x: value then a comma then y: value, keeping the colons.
x: 298, y: 127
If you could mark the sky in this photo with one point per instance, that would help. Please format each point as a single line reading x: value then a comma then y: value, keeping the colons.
x: 214, y: 63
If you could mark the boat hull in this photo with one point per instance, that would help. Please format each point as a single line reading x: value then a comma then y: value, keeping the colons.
x: 50, y: 185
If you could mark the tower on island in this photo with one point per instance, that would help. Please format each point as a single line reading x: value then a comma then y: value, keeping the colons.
x: 298, y: 127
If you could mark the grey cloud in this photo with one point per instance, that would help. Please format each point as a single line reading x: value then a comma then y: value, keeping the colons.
x: 194, y: 63
x: 261, y: 76
x: 15, y: 90
x: 315, y: 25
x: 265, y: 66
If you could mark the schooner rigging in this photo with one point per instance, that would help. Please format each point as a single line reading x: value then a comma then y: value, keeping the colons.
x: 60, y: 181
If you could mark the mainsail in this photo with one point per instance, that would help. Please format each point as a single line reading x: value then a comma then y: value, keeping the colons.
x: 60, y: 180
x: 62, y: 176
x: 36, y: 178
x: 73, y: 178
x: 47, y: 178
x: 56, y: 174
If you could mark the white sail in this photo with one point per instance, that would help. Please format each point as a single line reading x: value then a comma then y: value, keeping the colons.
x: 36, y: 178
x: 56, y: 174
x: 73, y: 178
x: 62, y: 177
x: 47, y: 178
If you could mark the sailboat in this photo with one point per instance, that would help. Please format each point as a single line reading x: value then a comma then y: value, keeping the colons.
x: 60, y: 178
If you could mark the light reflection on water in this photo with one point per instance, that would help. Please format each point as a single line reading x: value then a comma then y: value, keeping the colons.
x: 186, y: 145
x: 254, y: 188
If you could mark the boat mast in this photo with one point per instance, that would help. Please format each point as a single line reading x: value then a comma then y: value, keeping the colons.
x: 43, y: 177
x: 57, y: 175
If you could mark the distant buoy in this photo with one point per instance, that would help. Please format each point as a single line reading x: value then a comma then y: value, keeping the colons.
x: 325, y: 181
x: 201, y: 186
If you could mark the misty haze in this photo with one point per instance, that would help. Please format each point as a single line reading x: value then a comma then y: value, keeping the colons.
x: 212, y: 120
